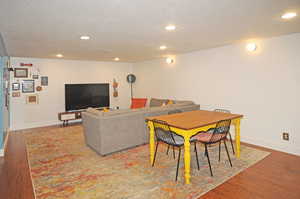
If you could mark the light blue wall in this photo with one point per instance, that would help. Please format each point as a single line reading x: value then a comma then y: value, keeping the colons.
x: 1, y: 100
x: 4, y: 109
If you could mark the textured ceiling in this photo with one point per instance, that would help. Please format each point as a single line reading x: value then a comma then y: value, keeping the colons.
x: 133, y: 30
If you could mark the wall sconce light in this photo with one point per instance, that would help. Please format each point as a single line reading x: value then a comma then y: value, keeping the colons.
x: 169, y: 60
x: 251, y: 47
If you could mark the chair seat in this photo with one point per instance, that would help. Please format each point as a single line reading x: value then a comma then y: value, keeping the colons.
x: 178, y: 139
x: 206, y: 137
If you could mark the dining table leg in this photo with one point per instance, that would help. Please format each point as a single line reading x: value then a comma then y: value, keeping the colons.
x: 151, y: 141
x: 187, y: 159
x: 237, y: 123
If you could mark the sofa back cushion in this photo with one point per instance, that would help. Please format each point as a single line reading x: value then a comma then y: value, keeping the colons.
x: 183, y: 102
x: 157, y: 102
x: 138, y: 103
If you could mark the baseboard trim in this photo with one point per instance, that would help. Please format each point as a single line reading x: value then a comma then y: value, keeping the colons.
x: 1, y: 152
x: 287, y: 148
x: 40, y: 125
x: 6, y: 140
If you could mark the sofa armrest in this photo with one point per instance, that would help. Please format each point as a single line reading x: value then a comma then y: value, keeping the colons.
x: 91, y: 128
x: 120, y: 132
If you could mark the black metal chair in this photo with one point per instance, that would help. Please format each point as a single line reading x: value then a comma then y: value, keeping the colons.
x: 217, y: 136
x: 227, y: 111
x: 170, y: 113
x: 165, y: 135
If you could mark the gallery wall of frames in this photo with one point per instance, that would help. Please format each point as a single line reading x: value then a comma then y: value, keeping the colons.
x: 27, y: 80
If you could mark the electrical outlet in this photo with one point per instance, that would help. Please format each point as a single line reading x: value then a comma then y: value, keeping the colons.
x: 285, y: 136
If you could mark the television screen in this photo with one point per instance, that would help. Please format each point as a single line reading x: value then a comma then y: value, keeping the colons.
x: 82, y: 96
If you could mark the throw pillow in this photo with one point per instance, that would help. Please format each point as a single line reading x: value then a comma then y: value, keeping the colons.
x: 170, y: 102
x: 105, y: 109
x: 138, y: 103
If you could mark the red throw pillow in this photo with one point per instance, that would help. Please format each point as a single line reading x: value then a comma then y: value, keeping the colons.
x: 138, y: 103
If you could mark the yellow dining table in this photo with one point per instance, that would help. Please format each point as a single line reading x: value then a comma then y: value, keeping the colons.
x: 190, y: 123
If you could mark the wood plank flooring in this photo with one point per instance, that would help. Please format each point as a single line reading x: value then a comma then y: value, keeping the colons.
x: 277, y: 176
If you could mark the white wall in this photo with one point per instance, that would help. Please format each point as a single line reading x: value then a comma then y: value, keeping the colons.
x: 52, y: 97
x: 264, y: 86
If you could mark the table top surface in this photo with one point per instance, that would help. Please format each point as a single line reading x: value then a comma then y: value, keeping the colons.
x: 194, y: 119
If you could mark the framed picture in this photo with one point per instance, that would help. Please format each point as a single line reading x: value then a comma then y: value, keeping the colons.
x: 28, y: 86
x: 44, y: 80
x: 16, y: 94
x: 32, y: 99
x: 15, y: 86
x: 35, y: 76
x: 21, y: 73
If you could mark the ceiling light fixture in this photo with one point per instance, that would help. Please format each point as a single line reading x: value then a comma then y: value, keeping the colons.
x: 59, y: 55
x: 170, y: 27
x: 117, y: 59
x: 169, y: 60
x: 289, y: 15
x: 85, y: 37
x: 163, y: 47
x: 251, y: 47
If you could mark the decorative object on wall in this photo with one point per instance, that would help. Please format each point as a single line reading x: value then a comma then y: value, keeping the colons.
x: 131, y: 79
x: 15, y: 86
x: 26, y: 64
x: 169, y: 60
x: 35, y: 76
x: 44, y: 80
x: 28, y: 86
x: 6, y: 84
x: 8, y: 66
x: 39, y: 88
x: 251, y: 47
x: 115, y: 87
x: 21, y: 73
x: 32, y: 99
x: 16, y: 94
x: 35, y: 71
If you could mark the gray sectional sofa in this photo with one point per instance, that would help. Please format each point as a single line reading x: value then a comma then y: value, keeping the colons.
x: 116, y: 130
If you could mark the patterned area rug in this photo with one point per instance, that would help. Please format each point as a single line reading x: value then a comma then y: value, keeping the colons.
x: 62, y: 166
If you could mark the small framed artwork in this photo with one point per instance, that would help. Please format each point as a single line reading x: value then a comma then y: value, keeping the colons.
x: 35, y: 76
x: 32, y: 99
x: 44, y: 80
x: 15, y: 86
x: 21, y: 73
x: 28, y: 86
x: 16, y: 94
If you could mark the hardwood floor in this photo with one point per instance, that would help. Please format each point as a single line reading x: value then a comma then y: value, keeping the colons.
x: 277, y: 176
x: 15, y: 180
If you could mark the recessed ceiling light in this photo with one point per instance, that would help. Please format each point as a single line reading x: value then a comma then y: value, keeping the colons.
x: 289, y: 15
x: 163, y: 47
x: 59, y: 55
x: 251, y: 47
x: 117, y: 59
x: 85, y: 37
x: 170, y: 27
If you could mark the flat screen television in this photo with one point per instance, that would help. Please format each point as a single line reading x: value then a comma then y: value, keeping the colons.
x: 82, y: 96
